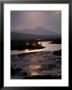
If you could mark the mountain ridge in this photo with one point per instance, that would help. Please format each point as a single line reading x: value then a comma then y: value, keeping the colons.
x: 25, y: 36
x: 37, y: 31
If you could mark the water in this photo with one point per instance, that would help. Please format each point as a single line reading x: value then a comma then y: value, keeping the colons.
x: 47, y: 44
x: 37, y: 62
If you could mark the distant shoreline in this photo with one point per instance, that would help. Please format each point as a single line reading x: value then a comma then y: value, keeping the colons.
x: 22, y: 44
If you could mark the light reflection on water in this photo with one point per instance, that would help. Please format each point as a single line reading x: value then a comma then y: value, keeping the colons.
x: 48, y: 47
x: 34, y: 70
x: 38, y: 63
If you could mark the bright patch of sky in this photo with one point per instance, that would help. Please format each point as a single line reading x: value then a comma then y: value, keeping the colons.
x: 50, y: 20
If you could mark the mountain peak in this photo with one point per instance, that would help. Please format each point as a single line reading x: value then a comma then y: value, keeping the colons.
x: 37, y: 31
x: 40, y: 28
x: 43, y: 31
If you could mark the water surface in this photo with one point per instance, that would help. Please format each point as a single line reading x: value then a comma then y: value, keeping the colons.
x: 38, y: 61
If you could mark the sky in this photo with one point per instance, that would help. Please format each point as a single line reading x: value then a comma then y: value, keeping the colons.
x: 50, y: 20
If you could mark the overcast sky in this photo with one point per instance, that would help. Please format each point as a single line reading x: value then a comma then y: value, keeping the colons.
x: 50, y: 20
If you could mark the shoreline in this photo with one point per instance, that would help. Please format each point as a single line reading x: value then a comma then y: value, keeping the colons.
x: 58, y: 52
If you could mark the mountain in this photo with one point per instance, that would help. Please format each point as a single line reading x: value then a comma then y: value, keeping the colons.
x: 20, y: 36
x: 23, y: 36
x: 37, y: 31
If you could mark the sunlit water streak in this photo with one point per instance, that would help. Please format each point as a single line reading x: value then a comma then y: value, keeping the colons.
x: 48, y: 47
x: 38, y: 63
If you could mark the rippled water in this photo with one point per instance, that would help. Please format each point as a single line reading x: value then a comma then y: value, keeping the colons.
x: 37, y: 62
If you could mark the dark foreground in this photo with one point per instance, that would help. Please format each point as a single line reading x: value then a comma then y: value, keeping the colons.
x: 40, y: 77
x: 44, y: 77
